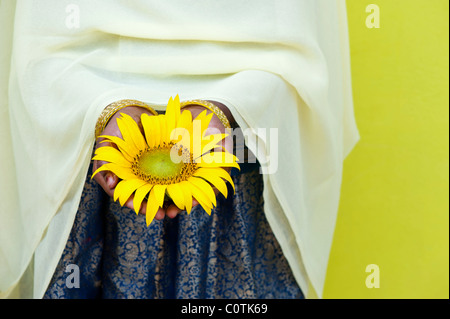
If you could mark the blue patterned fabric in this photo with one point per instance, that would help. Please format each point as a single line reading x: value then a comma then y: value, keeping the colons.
x: 231, y: 253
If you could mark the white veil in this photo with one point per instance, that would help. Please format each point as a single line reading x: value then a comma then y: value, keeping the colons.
x: 275, y: 64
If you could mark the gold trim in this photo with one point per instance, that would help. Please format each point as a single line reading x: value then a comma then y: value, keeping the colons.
x: 213, y: 108
x: 113, y: 108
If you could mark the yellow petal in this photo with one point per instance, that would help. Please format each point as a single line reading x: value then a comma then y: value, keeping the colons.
x: 112, y: 155
x: 139, y: 196
x: 218, y: 159
x: 125, y: 188
x: 159, y: 191
x: 201, y: 198
x: 152, y: 207
x: 120, y: 171
x: 204, y: 119
x: 127, y: 136
x: 222, y: 174
x: 131, y: 132
x: 210, y: 176
x: 128, y: 150
x: 163, y: 129
x: 100, y: 169
x: 209, y: 142
x: 154, y: 202
x: 184, y: 133
x: 153, y: 130
x: 205, y: 188
x: 185, y: 120
x: 208, y: 165
x: 187, y: 193
x: 148, y: 124
x: 180, y: 134
x: 176, y: 193
x: 117, y: 190
x: 196, y: 132
x: 172, y: 113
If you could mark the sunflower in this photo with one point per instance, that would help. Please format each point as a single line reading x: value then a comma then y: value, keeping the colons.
x: 173, y: 159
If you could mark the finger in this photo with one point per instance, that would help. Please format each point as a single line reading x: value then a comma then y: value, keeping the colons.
x: 103, y: 178
x: 111, y: 180
x: 172, y: 211
x: 129, y: 202
x: 106, y: 179
x: 160, y: 214
x: 143, y: 208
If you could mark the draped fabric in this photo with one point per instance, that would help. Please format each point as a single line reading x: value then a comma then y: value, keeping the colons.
x: 274, y: 64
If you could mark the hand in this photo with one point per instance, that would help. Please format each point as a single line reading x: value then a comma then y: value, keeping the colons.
x: 108, y: 180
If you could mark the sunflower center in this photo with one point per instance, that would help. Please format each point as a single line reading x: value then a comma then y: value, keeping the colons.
x: 155, y: 165
x: 158, y: 163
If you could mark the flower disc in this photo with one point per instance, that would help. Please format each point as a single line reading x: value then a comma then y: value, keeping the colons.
x: 158, y: 163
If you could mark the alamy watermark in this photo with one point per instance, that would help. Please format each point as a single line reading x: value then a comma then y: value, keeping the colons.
x: 73, y: 16
x: 373, y: 19
x: 373, y: 279
x: 73, y: 277
x: 263, y: 141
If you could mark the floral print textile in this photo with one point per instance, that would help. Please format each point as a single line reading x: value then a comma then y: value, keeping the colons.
x: 231, y: 254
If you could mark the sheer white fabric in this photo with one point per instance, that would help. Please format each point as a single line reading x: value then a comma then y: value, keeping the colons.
x: 275, y: 64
